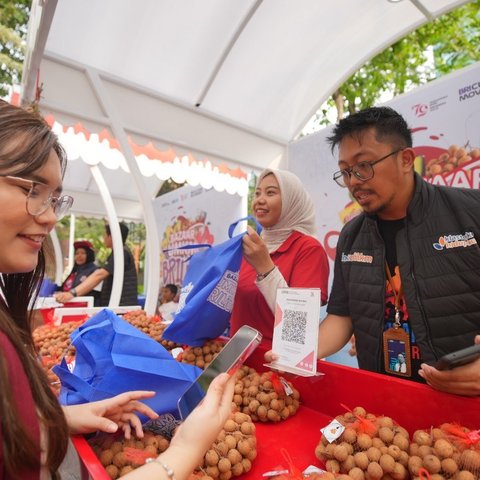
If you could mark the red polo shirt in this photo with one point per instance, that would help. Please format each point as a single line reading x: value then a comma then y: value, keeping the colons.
x: 303, y: 263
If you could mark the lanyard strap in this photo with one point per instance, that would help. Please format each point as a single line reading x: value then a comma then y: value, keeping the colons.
x: 396, y: 295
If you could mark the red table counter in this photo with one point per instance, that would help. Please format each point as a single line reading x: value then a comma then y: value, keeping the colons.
x: 412, y: 405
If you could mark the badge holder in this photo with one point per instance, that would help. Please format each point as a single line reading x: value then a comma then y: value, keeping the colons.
x: 396, y: 341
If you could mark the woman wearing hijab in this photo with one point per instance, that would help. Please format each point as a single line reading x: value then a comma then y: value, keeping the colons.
x: 285, y: 255
x: 84, y: 266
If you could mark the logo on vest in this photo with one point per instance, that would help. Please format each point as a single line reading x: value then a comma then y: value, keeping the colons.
x: 464, y: 240
x: 357, y: 257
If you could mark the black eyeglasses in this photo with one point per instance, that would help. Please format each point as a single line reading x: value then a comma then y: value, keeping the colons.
x: 363, y: 171
x: 40, y: 197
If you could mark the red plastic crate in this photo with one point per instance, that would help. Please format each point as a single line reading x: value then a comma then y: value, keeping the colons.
x: 412, y: 405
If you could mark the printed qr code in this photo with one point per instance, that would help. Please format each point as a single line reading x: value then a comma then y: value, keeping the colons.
x: 294, y: 326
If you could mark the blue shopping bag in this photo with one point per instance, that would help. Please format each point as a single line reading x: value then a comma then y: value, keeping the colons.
x: 208, y: 291
x: 113, y: 357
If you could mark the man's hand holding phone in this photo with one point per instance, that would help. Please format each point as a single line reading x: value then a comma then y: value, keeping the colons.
x: 461, y: 380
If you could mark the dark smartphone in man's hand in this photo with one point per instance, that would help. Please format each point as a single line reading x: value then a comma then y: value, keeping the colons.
x: 458, y: 358
x: 229, y: 359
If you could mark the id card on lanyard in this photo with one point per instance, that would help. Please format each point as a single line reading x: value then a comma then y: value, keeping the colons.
x: 396, y: 341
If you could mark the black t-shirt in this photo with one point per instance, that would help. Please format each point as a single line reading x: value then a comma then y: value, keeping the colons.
x: 129, y: 290
x: 389, y: 230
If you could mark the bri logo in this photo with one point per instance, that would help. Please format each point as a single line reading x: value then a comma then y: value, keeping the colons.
x: 455, y: 241
x: 356, y: 257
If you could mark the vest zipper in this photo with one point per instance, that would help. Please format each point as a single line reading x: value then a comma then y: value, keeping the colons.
x: 380, y: 343
x: 415, y: 285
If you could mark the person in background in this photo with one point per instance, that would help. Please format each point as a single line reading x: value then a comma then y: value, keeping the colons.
x: 168, y: 306
x: 286, y: 254
x: 407, y: 268
x: 83, y: 267
x: 35, y: 428
x: 105, y: 274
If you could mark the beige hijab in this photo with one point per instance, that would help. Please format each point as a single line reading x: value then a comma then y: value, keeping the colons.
x: 298, y: 212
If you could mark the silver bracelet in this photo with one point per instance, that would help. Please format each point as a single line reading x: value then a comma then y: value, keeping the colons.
x: 170, y: 473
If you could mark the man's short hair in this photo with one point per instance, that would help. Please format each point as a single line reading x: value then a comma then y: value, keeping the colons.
x: 389, y: 126
x: 123, y: 230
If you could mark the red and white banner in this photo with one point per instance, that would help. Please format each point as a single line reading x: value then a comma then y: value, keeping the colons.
x: 444, y: 116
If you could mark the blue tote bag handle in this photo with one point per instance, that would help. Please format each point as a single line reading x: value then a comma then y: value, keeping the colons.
x: 233, y: 226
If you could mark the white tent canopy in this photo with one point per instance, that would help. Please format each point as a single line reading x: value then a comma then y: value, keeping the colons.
x: 233, y: 81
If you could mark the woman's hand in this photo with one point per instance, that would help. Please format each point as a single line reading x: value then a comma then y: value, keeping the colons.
x: 63, y: 297
x: 110, y: 414
x: 255, y: 252
x: 464, y: 380
x: 197, y: 433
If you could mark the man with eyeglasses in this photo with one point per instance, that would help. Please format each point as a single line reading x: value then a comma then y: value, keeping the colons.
x: 407, y: 269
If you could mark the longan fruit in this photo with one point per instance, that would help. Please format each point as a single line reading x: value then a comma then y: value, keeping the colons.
x: 415, y: 463
x: 211, y: 458
x: 394, y: 451
x: 422, y: 438
x: 374, y: 454
x: 320, y: 452
x: 332, y: 466
x: 364, y: 441
x: 340, y: 453
x: 385, y: 422
x: 449, y: 466
x: 359, y: 412
x: 224, y: 465
x: 348, y: 464
x: 399, y: 472
x: 252, y: 454
x: 387, y: 463
x: 112, y: 471
x: 247, y: 465
x: 386, y: 434
x: 432, y: 463
x: 424, y: 450
x: 240, y: 417
x: 247, y: 428
x: 464, y: 475
x: 237, y: 469
x: 230, y: 441
x: 374, y: 470
x: 116, y: 447
x: 377, y: 443
x: 470, y: 460
x: 401, y: 442
x: 163, y: 444
x: 212, y: 471
x: 244, y: 447
x: 126, y: 469
x: 119, y: 460
x: 361, y: 460
x: 106, y: 457
x: 349, y: 435
x: 222, y: 448
x: 225, y: 475
x: 443, y: 448
x: 356, y: 474
x: 262, y: 412
x: 234, y: 456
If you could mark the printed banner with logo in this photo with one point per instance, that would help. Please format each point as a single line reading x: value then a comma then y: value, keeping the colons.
x: 191, y: 216
x: 444, y: 116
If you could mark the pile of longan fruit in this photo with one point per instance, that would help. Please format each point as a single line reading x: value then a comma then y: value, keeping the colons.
x: 150, y: 325
x: 370, y: 447
x: 255, y: 395
x: 201, y: 356
x: 233, y: 451
x: 443, y: 455
x: 231, y: 454
x: 51, y: 340
x: 446, y: 162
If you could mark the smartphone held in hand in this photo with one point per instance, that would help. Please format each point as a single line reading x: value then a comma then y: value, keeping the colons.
x: 230, y: 358
x: 458, y: 358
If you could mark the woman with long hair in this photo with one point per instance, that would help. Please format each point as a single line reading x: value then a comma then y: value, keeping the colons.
x: 35, y: 429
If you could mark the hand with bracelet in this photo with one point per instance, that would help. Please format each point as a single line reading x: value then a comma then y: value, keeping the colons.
x: 255, y: 252
x: 194, y: 436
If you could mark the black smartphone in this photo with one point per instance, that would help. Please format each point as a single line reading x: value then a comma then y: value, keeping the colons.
x: 229, y: 359
x: 458, y: 358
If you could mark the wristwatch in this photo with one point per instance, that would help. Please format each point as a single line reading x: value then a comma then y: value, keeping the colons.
x: 261, y: 276
x: 73, y: 291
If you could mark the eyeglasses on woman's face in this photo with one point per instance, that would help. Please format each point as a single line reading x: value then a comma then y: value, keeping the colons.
x: 363, y: 171
x: 40, y: 197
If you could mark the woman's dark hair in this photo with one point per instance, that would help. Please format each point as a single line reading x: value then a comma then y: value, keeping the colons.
x: 26, y: 142
x: 389, y: 126
x: 123, y: 230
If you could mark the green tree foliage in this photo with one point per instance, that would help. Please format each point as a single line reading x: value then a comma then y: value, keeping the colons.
x: 451, y: 41
x: 14, y: 16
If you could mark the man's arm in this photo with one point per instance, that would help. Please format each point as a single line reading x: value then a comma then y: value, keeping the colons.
x: 334, y: 332
x: 85, y: 287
